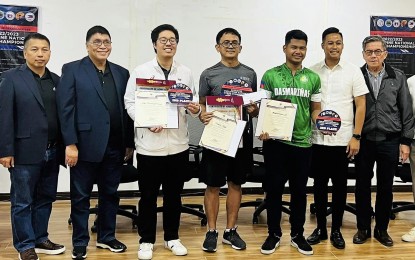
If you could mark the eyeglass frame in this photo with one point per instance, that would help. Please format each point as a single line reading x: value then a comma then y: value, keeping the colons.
x: 105, y: 43
x: 162, y: 39
x: 377, y: 52
x: 228, y: 44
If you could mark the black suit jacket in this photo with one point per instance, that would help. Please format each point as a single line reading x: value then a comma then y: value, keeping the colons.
x: 23, y: 121
x: 83, y: 111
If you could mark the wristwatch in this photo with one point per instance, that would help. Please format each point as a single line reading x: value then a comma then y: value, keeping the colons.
x: 357, y: 136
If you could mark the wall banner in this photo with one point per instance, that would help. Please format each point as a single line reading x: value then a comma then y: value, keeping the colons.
x: 15, y: 23
x: 399, y: 33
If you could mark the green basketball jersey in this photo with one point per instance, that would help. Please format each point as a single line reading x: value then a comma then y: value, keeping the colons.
x: 300, y: 89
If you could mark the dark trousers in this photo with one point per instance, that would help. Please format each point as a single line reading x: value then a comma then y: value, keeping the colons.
x: 32, y: 191
x: 386, y: 155
x: 284, y: 163
x: 107, y: 175
x: 329, y: 162
x: 169, y: 172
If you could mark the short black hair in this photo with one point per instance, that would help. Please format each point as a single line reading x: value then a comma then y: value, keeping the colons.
x: 329, y: 31
x: 164, y: 27
x: 97, y: 29
x: 295, y: 34
x: 225, y: 31
x: 37, y: 36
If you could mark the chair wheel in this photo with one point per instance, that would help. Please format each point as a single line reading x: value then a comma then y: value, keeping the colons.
x: 203, y: 222
x: 393, y: 216
x: 69, y: 221
x: 255, y: 220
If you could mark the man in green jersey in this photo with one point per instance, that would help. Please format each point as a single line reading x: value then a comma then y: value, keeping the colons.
x: 290, y: 160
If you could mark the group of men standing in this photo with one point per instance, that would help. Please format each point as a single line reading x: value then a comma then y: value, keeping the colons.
x: 85, y: 120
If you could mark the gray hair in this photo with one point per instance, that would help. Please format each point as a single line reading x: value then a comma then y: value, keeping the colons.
x: 374, y: 38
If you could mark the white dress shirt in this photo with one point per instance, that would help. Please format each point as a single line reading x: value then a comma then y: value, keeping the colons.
x: 339, y: 87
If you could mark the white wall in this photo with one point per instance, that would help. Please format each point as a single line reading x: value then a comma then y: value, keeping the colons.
x: 262, y: 24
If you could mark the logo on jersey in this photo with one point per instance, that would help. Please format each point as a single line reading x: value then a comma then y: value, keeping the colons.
x: 303, y: 78
x: 236, y: 86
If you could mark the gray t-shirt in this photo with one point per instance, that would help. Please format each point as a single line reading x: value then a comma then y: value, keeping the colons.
x: 220, y: 80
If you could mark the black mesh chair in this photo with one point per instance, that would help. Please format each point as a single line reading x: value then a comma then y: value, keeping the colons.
x: 195, y: 153
x: 404, y: 173
x: 257, y: 175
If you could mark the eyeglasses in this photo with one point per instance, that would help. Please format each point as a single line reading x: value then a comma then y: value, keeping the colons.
x: 228, y: 44
x: 164, y: 40
x: 98, y: 43
x: 376, y: 52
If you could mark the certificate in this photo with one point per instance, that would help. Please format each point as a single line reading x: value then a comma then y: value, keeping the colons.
x: 222, y: 134
x: 152, y: 109
x: 277, y: 119
x: 152, y: 106
x: 229, y: 105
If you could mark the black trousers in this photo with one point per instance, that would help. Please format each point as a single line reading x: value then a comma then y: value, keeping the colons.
x: 169, y: 172
x: 284, y: 163
x: 386, y: 155
x: 329, y: 162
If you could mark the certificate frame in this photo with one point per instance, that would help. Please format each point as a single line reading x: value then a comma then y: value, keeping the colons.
x: 277, y: 119
x: 231, y: 140
x: 166, y: 116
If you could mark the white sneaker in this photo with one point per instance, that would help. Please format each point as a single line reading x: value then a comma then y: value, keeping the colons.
x: 145, y: 251
x: 410, y: 236
x: 176, y: 247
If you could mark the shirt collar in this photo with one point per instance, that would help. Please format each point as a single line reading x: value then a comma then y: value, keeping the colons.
x: 297, y: 72
x: 45, y: 76
x: 380, y: 73
x: 340, y: 64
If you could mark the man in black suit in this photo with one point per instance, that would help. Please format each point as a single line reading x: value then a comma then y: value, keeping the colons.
x: 30, y: 147
x: 96, y: 131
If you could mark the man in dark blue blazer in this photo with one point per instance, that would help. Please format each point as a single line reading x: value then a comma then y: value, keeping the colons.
x: 98, y: 135
x: 30, y: 147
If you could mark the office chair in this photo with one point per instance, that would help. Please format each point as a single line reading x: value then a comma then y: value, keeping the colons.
x: 195, y: 153
x: 128, y: 174
x: 257, y: 175
x: 404, y: 173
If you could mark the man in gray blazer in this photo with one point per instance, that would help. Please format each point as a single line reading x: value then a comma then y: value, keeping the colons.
x: 30, y: 147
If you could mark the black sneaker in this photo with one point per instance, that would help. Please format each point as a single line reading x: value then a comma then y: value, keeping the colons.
x: 28, y: 254
x: 79, y: 252
x: 301, y: 244
x: 211, y: 240
x: 232, y: 238
x: 113, y: 245
x: 270, y: 244
x: 49, y: 248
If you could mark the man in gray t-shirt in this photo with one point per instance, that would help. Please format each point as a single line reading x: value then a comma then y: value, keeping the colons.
x: 228, y: 77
